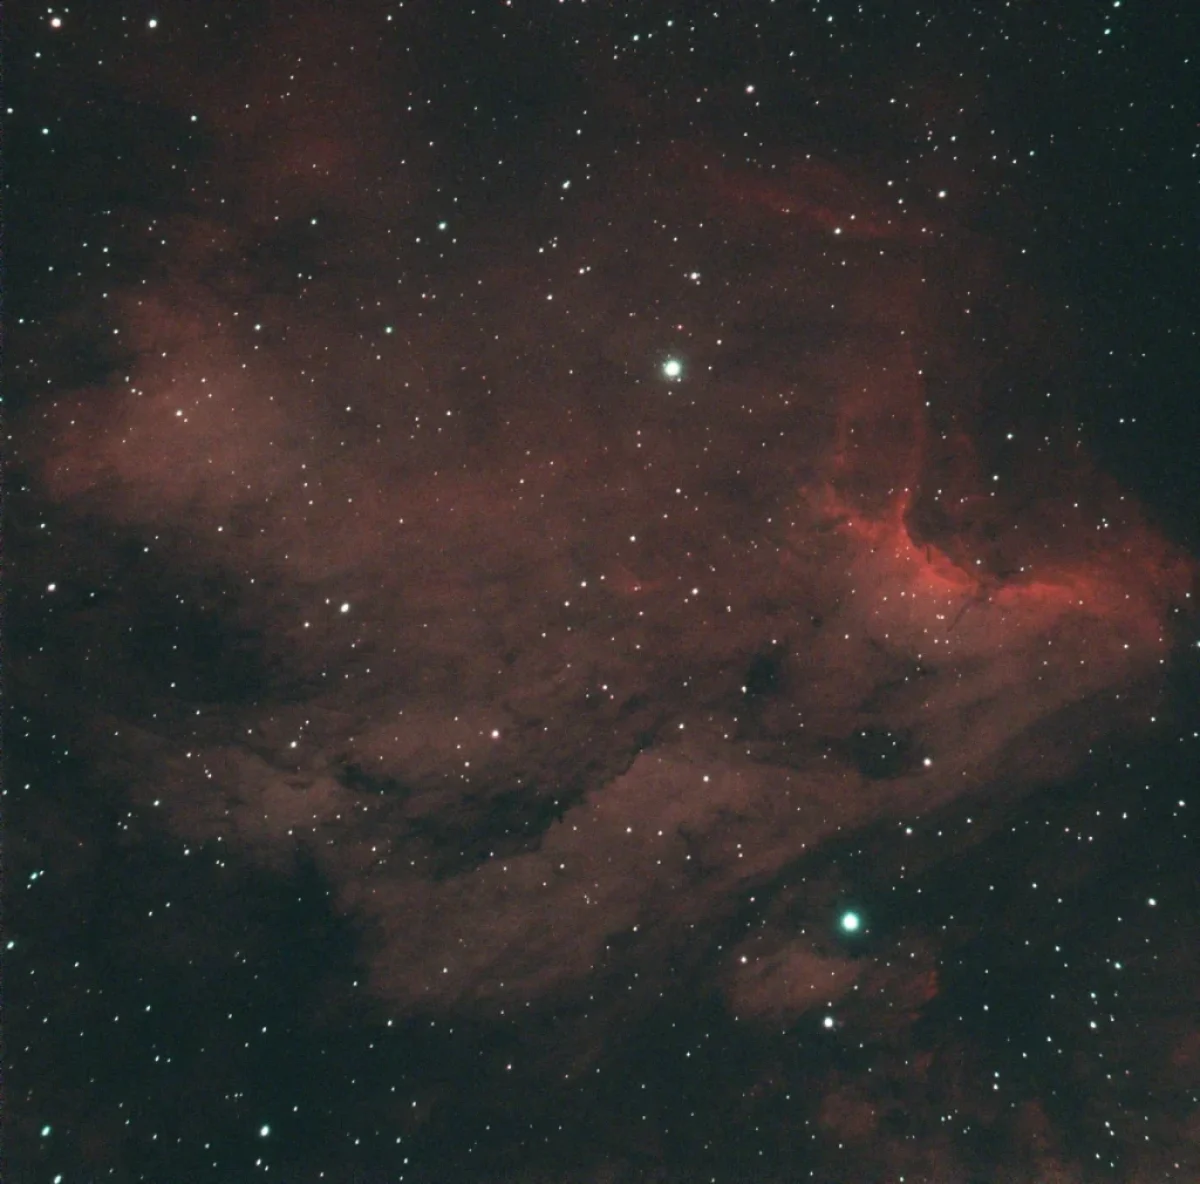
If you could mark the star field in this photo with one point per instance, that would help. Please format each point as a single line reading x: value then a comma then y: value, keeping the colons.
x: 601, y: 594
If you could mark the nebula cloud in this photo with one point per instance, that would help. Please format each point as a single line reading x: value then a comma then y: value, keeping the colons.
x: 606, y: 564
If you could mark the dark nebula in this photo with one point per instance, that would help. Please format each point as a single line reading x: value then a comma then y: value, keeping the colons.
x: 566, y: 620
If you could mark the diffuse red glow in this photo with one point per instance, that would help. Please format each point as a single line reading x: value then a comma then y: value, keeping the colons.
x: 537, y: 537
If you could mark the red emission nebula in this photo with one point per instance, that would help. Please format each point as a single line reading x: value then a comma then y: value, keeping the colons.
x: 573, y: 651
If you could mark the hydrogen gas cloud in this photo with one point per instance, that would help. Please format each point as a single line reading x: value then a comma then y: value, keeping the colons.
x: 608, y: 568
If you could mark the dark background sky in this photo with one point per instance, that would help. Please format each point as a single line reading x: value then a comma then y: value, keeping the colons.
x: 602, y: 594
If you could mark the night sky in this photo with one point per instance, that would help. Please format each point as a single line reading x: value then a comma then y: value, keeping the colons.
x: 602, y: 593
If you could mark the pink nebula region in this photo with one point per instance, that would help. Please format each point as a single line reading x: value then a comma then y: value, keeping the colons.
x: 559, y: 664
